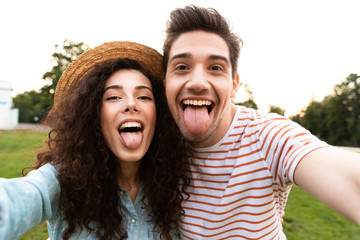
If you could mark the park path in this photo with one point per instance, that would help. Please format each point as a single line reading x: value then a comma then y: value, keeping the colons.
x: 30, y: 126
x: 354, y: 149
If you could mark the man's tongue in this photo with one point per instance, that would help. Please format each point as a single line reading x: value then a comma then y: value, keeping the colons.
x: 132, y: 139
x: 196, y: 119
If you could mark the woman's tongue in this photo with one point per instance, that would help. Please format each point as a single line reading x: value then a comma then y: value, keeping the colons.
x: 132, y: 139
x: 196, y: 119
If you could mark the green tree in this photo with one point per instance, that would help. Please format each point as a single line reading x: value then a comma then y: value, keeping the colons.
x: 313, y: 119
x: 250, y: 103
x: 63, y: 57
x: 296, y: 118
x: 276, y: 109
x: 29, y: 105
x: 336, y: 119
x: 351, y: 88
x: 34, y: 105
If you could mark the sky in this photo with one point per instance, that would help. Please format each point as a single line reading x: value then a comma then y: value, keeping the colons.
x: 294, y: 51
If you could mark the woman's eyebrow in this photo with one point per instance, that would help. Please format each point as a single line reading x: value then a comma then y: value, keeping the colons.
x: 120, y: 87
x: 113, y: 87
x: 143, y: 87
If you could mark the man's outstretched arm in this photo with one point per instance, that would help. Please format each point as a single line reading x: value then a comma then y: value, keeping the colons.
x: 332, y: 175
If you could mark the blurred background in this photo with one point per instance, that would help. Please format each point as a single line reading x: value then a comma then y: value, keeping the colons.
x: 300, y: 59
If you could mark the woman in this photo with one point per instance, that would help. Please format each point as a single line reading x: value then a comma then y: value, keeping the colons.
x: 113, y: 159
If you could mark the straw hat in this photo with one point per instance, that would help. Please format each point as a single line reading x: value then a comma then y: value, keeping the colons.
x: 147, y: 57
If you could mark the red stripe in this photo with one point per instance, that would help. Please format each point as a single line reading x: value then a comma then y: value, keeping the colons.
x: 238, y: 228
x: 235, y: 201
x: 228, y: 211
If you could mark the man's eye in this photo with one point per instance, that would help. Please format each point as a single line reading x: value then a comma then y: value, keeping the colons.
x: 181, y: 67
x: 216, y: 68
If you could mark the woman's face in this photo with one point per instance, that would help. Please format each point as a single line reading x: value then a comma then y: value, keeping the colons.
x: 128, y: 114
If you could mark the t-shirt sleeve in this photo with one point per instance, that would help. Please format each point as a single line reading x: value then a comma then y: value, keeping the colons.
x: 27, y: 201
x: 284, y: 144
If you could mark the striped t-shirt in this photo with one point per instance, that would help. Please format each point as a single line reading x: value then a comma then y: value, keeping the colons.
x: 240, y: 185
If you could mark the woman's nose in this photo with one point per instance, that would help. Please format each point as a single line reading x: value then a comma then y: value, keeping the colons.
x: 131, y: 108
x: 131, y: 105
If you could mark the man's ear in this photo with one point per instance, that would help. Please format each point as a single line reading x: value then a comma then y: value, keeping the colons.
x: 235, y: 86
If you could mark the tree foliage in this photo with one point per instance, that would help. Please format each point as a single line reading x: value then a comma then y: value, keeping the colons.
x: 30, y: 106
x: 276, y: 109
x: 336, y: 119
x: 63, y: 57
x: 250, y: 103
x: 34, y: 105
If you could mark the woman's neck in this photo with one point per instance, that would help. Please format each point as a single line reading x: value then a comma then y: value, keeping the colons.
x: 128, y: 178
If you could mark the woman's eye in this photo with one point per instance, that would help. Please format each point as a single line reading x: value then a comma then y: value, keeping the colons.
x: 145, y: 98
x: 113, y: 98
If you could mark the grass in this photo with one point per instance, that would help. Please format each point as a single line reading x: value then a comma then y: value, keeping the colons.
x: 17, y: 150
x: 306, y: 217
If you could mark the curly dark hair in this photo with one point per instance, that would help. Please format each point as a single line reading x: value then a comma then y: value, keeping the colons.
x: 86, y: 166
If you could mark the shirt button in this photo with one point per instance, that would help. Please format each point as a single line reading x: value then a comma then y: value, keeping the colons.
x: 133, y: 220
x: 122, y: 193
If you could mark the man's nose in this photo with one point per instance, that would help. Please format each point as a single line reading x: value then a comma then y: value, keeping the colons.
x: 198, y: 80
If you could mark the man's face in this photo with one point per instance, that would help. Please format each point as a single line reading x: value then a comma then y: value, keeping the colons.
x: 199, y: 86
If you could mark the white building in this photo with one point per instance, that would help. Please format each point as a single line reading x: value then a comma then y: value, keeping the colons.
x: 9, y: 117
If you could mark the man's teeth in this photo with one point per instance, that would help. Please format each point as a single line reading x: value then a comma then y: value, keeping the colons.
x: 197, y: 102
x: 130, y: 124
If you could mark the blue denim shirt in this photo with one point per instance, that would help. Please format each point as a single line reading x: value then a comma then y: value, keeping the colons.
x: 26, y: 202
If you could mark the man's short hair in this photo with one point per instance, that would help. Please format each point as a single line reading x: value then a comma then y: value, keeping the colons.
x: 192, y: 18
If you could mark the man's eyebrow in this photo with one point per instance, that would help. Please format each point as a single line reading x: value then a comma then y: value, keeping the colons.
x: 180, y: 55
x: 211, y: 57
x: 219, y: 57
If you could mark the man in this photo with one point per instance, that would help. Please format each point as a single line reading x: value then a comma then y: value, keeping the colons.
x: 244, y: 163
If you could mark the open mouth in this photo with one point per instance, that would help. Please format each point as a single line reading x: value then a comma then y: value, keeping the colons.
x: 196, y: 115
x: 130, y: 127
x: 131, y: 134
x: 198, y: 103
